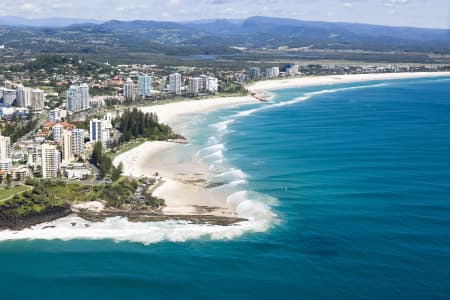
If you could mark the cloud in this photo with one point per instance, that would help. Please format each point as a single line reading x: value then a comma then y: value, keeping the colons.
x: 347, y: 4
x: 30, y: 8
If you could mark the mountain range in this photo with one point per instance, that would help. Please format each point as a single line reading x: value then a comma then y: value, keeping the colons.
x: 213, y: 36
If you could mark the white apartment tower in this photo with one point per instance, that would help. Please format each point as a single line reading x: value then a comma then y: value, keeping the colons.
x: 77, y: 142
x: 51, y: 158
x: 5, y: 147
x: 67, y: 147
x: 100, y: 130
x: 129, y: 91
x: 175, y: 83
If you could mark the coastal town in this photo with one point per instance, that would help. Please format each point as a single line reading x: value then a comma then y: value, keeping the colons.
x: 51, y: 134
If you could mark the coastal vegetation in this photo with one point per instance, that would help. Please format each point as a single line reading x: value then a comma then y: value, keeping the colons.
x: 43, y: 198
x: 135, y: 124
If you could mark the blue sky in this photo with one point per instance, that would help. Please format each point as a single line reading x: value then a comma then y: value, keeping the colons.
x: 420, y: 13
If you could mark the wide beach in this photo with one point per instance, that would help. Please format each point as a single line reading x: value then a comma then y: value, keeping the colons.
x: 183, y: 185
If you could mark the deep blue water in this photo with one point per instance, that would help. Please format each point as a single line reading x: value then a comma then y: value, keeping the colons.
x: 362, y: 178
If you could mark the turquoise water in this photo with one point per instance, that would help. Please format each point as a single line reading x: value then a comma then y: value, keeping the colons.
x: 361, y: 178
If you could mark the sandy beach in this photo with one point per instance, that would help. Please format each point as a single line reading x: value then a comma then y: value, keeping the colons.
x: 167, y: 113
x: 182, y: 185
x: 275, y: 84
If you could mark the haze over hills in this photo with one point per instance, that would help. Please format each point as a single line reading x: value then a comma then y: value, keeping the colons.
x: 47, y: 22
x: 215, y: 36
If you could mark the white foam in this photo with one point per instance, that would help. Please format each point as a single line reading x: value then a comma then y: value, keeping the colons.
x: 306, y: 96
x: 253, y: 206
x: 222, y: 126
x: 233, y: 173
x: 120, y: 229
x: 216, y: 155
x: 210, y: 149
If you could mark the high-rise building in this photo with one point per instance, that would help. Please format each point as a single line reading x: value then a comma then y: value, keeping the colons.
x: 273, y: 72
x: 129, y: 91
x: 254, y: 73
x: 37, y: 100
x: 195, y: 85
x: 78, y: 98
x: 67, y: 153
x: 7, y: 96
x: 100, y: 130
x: 145, y: 85
x: 57, y: 132
x: 175, y: 83
x: 77, y: 142
x: 5, y: 147
x: 291, y: 70
x: 212, y: 85
x: 51, y: 159
x: 23, y: 96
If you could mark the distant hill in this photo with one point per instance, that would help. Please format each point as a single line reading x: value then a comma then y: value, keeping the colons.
x: 214, y: 36
x: 48, y: 22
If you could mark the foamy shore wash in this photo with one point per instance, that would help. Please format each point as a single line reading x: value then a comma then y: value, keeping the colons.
x: 252, y: 206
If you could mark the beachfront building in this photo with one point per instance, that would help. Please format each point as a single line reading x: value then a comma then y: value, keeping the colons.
x: 195, y: 84
x: 78, y: 98
x: 240, y: 77
x: 212, y: 85
x: 145, y: 85
x: 272, y: 73
x: 292, y: 70
x: 254, y: 73
x: 130, y: 91
x: 51, y: 158
x: 175, y: 83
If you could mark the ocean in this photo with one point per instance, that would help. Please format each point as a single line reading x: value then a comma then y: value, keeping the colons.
x: 347, y: 188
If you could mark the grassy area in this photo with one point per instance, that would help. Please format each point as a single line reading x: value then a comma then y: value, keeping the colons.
x: 7, y: 193
x: 39, y: 196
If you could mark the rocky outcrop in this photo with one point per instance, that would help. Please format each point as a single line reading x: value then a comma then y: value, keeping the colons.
x: 14, y: 222
x: 148, y: 216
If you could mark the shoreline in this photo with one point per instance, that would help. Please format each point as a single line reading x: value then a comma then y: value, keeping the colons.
x: 266, y: 86
x: 190, y: 179
x: 184, y: 186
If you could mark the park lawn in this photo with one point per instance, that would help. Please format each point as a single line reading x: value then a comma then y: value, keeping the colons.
x: 6, y: 193
x: 74, y: 193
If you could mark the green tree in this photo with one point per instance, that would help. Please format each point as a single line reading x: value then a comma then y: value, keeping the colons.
x: 117, y: 172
